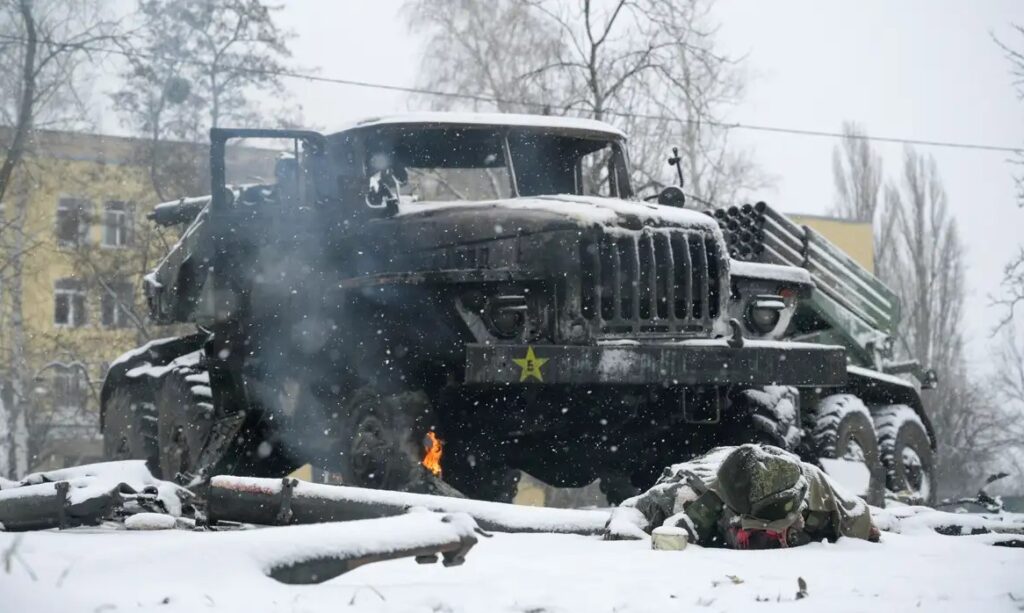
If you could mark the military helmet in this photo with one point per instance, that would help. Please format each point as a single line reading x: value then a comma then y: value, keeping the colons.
x: 763, y: 485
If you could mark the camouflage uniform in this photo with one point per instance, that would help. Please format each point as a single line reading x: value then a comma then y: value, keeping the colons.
x: 751, y: 496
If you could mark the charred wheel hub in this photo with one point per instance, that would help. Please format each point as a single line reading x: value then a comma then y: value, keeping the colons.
x: 370, y: 453
x: 384, y: 447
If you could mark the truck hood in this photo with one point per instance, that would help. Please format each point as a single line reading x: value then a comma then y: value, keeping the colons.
x: 519, y: 216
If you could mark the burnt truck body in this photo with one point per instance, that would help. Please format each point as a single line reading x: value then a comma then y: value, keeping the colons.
x: 490, y: 283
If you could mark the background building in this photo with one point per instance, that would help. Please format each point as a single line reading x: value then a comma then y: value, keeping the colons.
x: 76, y: 301
x: 856, y: 238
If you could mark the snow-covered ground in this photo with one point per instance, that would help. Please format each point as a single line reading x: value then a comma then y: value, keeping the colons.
x: 94, y: 570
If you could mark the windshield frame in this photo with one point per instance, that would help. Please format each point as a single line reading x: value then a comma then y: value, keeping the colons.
x: 350, y: 147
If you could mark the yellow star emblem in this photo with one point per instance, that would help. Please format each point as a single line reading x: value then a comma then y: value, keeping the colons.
x: 531, y: 365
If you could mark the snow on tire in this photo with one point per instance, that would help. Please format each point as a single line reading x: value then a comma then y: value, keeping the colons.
x: 842, y: 436
x: 765, y: 415
x: 185, y: 419
x: 906, y: 453
x: 130, y: 424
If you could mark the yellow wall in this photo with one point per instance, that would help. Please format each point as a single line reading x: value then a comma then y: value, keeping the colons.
x: 48, y: 262
x: 97, y: 169
x: 856, y: 238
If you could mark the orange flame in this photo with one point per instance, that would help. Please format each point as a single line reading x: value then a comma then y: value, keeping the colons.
x: 432, y: 459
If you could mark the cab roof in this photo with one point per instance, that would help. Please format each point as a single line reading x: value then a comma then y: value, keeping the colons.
x: 541, y: 122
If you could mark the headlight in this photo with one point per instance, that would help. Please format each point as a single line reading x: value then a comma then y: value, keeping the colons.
x: 764, y: 312
x: 506, y: 315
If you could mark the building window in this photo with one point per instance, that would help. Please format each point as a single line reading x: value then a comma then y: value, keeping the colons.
x: 69, y: 390
x: 69, y: 303
x: 70, y: 419
x: 72, y: 221
x: 117, y: 224
x: 115, y: 305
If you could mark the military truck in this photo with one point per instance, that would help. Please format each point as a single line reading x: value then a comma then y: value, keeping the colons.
x: 468, y: 296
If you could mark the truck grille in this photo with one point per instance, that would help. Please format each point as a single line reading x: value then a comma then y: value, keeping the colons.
x: 654, y: 280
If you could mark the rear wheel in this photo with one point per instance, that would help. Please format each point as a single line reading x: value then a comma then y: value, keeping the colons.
x: 184, y: 404
x: 130, y: 424
x: 841, y: 429
x: 196, y: 443
x: 906, y: 453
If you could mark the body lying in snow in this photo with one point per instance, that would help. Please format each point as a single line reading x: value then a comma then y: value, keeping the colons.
x: 746, y: 497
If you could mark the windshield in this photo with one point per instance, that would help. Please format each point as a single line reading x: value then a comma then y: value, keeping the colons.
x: 438, y: 164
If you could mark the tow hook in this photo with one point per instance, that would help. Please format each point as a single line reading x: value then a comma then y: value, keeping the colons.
x: 736, y: 340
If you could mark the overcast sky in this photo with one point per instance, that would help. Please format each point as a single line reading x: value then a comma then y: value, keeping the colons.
x: 923, y: 69
x: 918, y: 69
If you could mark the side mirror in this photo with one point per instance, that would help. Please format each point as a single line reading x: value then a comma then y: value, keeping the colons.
x: 672, y: 196
x: 382, y: 193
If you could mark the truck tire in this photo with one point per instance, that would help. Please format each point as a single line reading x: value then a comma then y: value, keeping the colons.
x: 186, y: 422
x: 130, y: 425
x: 184, y: 406
x: 841, y: 428
x: 385, y: 439
x: 906, y: 453
x: 767, y: 415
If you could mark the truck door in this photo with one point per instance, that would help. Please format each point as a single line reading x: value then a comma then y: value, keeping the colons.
x: 268, y: 188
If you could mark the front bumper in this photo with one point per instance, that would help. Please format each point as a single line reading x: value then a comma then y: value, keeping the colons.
x: 710, y: 362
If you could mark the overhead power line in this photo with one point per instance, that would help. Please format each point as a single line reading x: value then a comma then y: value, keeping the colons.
x: 543, y: 106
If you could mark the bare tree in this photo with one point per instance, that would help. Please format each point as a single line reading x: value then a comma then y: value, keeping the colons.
x: 988, y: 437
x: 1009, y: 377
x: 485, y: 48
x: 857, y: 173
x: 648, y: 66
x: 695, y: 87
x: 1013, y: 274
x: 1016, y: 58
x: 1012, y: 287
x: 43, y: 49
x: 924, y: 264
x: 193, y: 65
x: 43, y: 46
x: 978, y: 431
x: 1010, y: 380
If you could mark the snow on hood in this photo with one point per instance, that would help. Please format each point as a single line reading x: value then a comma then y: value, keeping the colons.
x: 585, y: 210
x: 771, y: 272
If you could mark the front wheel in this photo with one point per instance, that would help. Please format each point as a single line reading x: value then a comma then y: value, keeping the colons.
x: 385, y: 439
x: 906, y: 453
